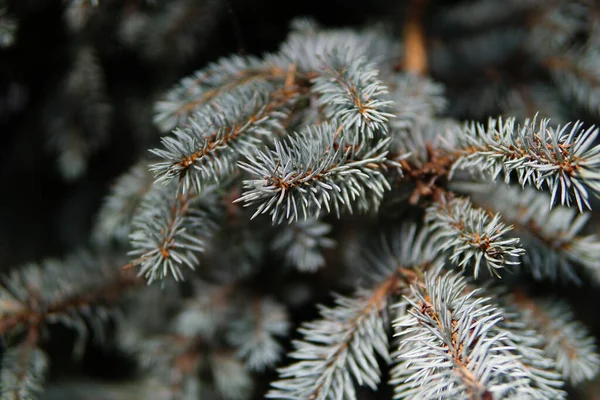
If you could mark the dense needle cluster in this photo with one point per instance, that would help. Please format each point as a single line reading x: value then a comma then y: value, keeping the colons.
x: 336, y: 164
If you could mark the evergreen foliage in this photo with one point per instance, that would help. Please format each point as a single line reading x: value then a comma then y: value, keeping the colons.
x: 345, y: 161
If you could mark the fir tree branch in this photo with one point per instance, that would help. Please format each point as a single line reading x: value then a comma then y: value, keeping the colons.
x: 231, y: 379
x: 76, y: 292
x: 343, y: 346
x: 172, y: 364
x: 310, y: 48
x: 407, y: 251
x: 471, y: 235
x: 552, y: 237
x: 350, y: 92
x: 255, y: 336
x: 208, y: 311
x: 449, y: 349
x: 177, y: 29
x: 251, y: 324
x: 302, y: 243
x: 226, y: 75
x: 339, y: 348
x: 113, y: 221
x: 311, y: 171
x: 528, y: 344
x: 565, y: 159
x: 532, y: 98
x: 22, y: 372
x: 417, y: 101
x: 424, y: 157
x: 206, y: 151
x: 578, y: 78
x: 565, y: 340
x: 169, y: 230
x: 80, y: 115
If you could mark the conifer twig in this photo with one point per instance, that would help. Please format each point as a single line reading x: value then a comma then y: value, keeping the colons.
x: 34, y: 314
x: 565, y: 339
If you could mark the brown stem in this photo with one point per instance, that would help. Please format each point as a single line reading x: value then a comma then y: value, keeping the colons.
x: 429, y: 176
x: 270, y: 74
x: 400, y: 280
x: 415, y: 51
x: 179, y: 207
x: 456, y: 351
x: 33, y: 317
x: 278, y: 99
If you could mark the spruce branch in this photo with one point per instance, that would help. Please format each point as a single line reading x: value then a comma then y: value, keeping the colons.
x: 253, y: 325
x: 323, y: 127
x: 255, y: 334
x: 168, y: 231
x: 232, y: 381
x: 577, y: 77
x: 113, y: 221
x: 302, y: 243
x: 80, y: 116
x: 177, y: 30
x: 416, y: 101
x: 349, y: 90
x: 310, y: 47
x: 536, y: 98
x: 237, y: 251
x: 566, y: 340
x: 300, y: 58
x: 340, y: 348
x: 449, y: 349
x: 313, y: 170
x: 79, y: 292
x: 205, y: 314
x: 171, y: 366
x: 205, y: 152
x: 425, y: 162
x: 22, y: 372
x: 343, y: 346
x: 472, y: 236
x: 552, y: 237
x: 189, y: 366
x: 528, y: 343
x: 563, y: 159
x: 224, y: 76
x: 405, y: 247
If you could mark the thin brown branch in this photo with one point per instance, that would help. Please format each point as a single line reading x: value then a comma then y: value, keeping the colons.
x: 289, y: 77
x: 376, y: 301
x: 430, y: 176
x: 33, y: 317
x: 278, y: 99
x: 394, y: 284
x: 456, y: 351
x: 415, y: 51
x: 179, y: 207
